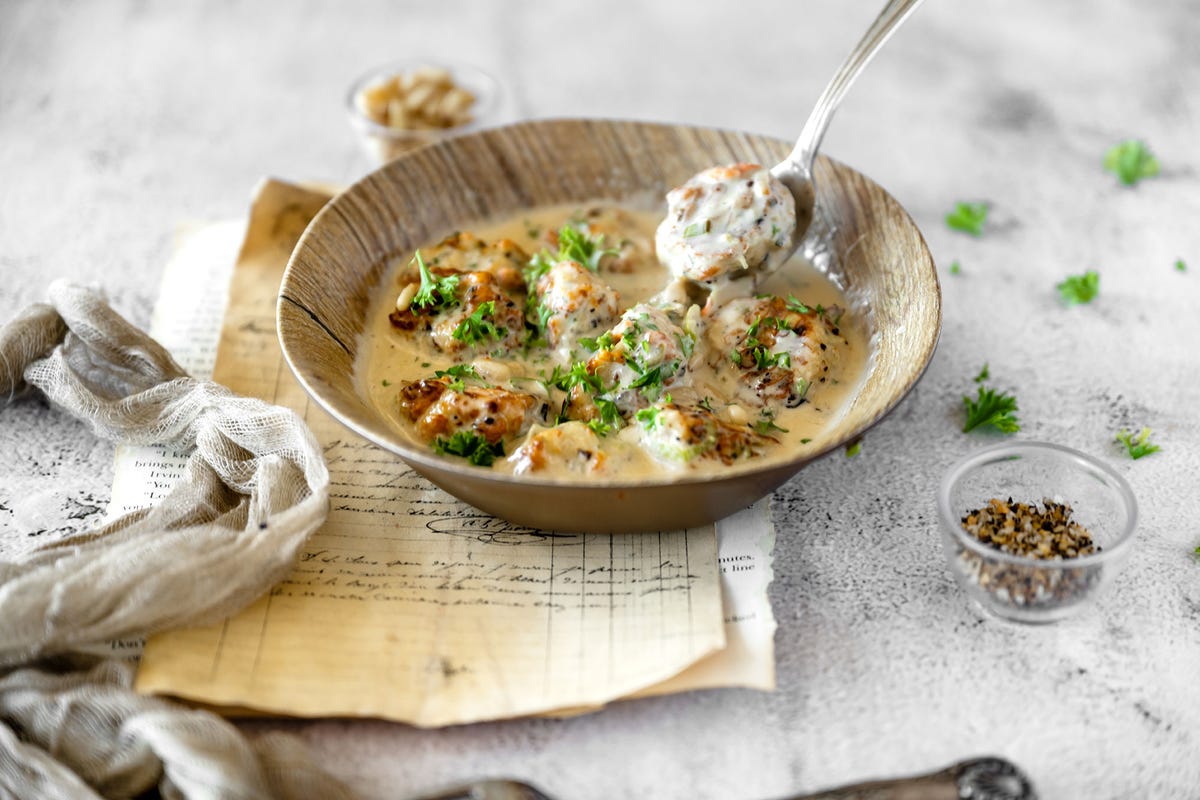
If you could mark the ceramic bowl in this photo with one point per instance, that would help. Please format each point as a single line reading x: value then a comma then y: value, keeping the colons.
x: 870, y: 246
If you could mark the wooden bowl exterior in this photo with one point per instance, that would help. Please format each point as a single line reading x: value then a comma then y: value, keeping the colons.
x: 881, y: 260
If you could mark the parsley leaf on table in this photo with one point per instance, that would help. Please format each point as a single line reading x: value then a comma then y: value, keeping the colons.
x: 1078, y: 289
x: 1180, y: 266
x: 1138, y: 445
x: 471, y: 446
x: 991, y: 408
x: 968, y: 217
x: 1131, y: 161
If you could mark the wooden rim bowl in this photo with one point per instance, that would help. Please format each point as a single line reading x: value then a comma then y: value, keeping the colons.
x: 878, y: 257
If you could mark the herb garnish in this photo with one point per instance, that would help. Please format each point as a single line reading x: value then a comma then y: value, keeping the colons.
x: 765, y: 425
x: 854, y: 448
x: 968, y: 217
x: 1138, y: 445
x: 573, y: 245
x: 983, y: 374
x: 648, y: 417
x: 474, y: 328
x: 458, y: 372
x: 471, y: 446
x: 435, y: 293
x: 1180, y: 266
x: 1078, y: 289
x: 793, y: 304
x: 955, y: 268
x: 991, y: 408
x: 695, y: 229
x: 604, y: 341
x: 1131, y: 161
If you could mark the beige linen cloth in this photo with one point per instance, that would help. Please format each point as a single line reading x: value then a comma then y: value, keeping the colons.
x: 256, y: 487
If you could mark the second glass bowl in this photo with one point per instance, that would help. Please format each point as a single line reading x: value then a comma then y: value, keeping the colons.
x: 384, y: 143
x: 1022, y: 588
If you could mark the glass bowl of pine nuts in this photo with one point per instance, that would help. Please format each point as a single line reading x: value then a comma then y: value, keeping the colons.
x: 1035, y: 532
x: 408, y: 104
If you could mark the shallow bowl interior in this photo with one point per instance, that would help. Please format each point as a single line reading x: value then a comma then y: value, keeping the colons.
x: 878, y: 257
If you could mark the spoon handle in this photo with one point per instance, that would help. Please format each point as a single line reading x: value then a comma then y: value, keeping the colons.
x: 801, y: 158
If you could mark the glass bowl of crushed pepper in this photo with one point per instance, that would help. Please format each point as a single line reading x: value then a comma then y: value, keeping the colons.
x: 1034, y: 532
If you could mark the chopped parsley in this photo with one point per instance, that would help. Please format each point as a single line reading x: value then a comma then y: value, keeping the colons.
x: 434, y: 293
x: 793, y: 304
x: 764, y: 359
x: 983, y: 374
x: 955, y: 268
x: 469, y: 445
x: 648, y: 417
x: 696, y: 229
x: 854, y: 448
x: 459, y: 372
x: 577, y: 375
x: 1131, y: 161
x: 604, y: 341
x: 476, y: 327
x: 573, y: 245
x: 1078, y: 289
x: 991, y: 408
x: 968, y: 217
x: 766, y: 425
x: 1180, y: 266
x: 653, y: 378
x: 1138, y: 445
x: 599, y: 427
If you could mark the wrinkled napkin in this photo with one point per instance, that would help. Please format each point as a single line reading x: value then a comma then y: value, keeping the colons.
x: 255, y: 487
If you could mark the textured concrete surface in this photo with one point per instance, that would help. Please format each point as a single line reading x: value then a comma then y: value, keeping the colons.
x: 119, y: 120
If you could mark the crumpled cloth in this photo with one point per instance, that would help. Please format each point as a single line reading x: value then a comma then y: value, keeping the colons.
x: 255, y: 487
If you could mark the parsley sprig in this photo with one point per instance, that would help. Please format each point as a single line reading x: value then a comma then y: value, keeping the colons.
x: 990, y: 407
x: 459, y: 373
x: 1137, y: 445
x: 434, y: 293
x: 1131, y: 161
x: 476, y: 327
x: 469, y: 445
x: 573, y: 245
x: 1078, y: 289
x: 968, y: 217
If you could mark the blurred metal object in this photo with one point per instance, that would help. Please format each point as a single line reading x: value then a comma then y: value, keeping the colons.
x: 986, y: 778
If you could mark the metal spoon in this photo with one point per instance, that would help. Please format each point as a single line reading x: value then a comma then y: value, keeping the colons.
x: 795, y: 171
x: 987, y: 778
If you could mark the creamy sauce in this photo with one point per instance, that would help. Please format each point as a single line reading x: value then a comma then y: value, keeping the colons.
x: 389, y: 359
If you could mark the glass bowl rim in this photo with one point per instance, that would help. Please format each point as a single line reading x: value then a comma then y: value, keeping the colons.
x: 486, y: 98
x: 1015, y: 450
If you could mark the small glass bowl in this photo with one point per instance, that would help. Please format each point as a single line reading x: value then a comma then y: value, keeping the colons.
x: 383, y: 143
x: 1022, y: 588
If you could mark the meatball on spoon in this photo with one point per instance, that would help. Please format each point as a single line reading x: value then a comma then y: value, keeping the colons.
x: 744, y: 220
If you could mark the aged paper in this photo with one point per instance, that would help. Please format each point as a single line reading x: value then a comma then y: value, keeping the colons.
x: 412, y: 606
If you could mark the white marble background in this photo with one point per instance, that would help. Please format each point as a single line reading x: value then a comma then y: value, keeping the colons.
x: 120, y: 119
